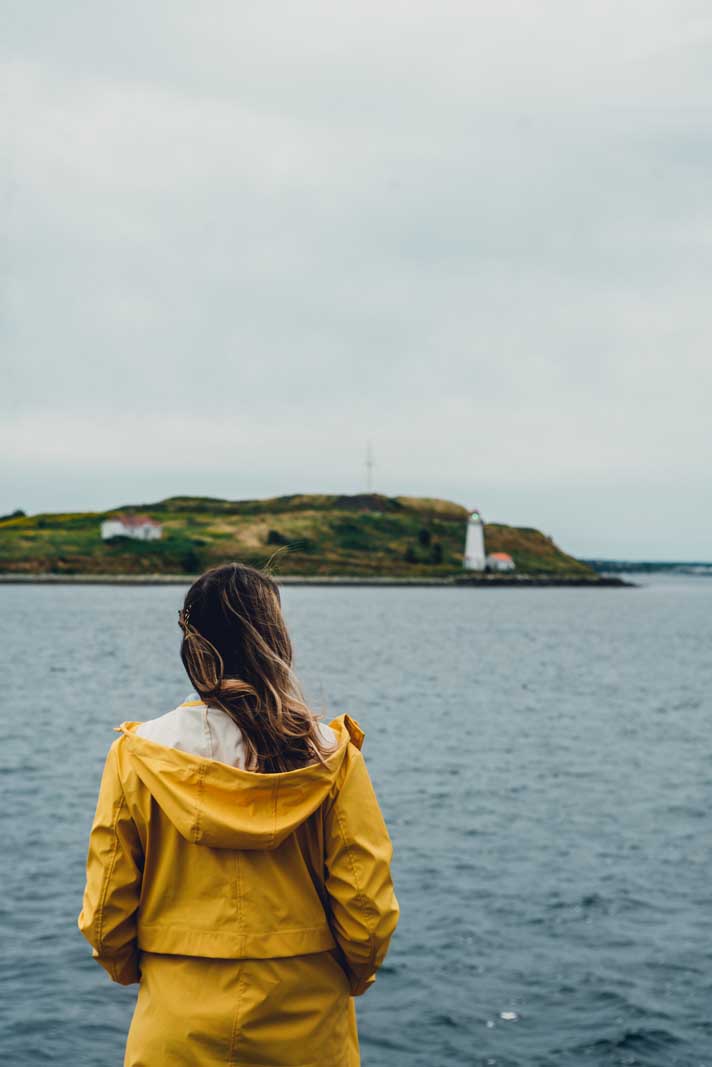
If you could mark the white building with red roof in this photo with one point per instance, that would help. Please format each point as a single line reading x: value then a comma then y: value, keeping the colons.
x: 140, y: 527
x: 499, y: 561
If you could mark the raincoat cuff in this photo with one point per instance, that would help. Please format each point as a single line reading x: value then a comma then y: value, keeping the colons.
x: 121, y: 967
x: 359, y: 986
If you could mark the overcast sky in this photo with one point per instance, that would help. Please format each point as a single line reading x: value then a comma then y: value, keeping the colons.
x: 245, y: 238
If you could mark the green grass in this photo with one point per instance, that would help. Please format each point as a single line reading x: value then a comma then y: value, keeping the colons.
x: 366, y: 534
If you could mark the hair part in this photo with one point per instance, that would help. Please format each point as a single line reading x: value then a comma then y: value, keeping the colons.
x: 237, y: 653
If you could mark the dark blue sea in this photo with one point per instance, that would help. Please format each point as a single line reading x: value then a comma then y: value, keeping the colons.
x: 543, y: 758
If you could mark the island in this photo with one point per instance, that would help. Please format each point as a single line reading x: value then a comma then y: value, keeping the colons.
x: 309, y: 538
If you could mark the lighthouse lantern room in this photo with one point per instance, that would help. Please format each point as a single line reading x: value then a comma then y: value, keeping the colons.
x: 475, y: 542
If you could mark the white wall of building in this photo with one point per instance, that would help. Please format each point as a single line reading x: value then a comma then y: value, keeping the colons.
x: 494, y: 564
x: 116, y: 528
x: 112, y: 528
x: 150, y: 533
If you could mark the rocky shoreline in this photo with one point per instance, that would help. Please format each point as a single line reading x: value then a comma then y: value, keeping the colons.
x: 499, y: 581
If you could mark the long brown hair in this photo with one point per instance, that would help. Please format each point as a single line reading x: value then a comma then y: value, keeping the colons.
x: 237, y: 653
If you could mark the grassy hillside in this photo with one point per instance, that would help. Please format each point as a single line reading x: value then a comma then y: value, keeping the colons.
x: 366, y: 534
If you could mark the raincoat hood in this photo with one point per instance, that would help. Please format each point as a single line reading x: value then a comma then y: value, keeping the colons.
x: 211, y: 803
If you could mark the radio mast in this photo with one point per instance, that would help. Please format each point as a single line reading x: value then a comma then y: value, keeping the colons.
x: 369, y: 468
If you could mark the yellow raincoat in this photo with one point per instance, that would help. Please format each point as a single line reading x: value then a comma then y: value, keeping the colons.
x: 251, y: 907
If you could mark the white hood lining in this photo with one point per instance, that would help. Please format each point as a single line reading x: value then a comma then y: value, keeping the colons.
x: 207, y: 732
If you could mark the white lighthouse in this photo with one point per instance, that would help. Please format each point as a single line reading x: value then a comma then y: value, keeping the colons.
x: 475, y: 542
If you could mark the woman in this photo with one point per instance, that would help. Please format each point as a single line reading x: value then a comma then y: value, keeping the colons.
x: 239, y: 865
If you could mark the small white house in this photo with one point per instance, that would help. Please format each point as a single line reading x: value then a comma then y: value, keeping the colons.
x: 499, y: 561
x: 140, y: 527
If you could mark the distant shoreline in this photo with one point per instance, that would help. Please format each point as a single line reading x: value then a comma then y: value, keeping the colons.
x: 365, y: 535
x: 456, y: 582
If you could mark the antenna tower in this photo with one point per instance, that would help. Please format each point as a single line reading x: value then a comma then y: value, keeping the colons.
x: 369, y: 468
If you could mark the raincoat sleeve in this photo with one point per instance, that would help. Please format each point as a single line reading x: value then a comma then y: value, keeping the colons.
x: 113, y: 885
x: 358, y: 851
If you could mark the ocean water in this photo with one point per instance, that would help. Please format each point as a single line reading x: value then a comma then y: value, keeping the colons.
x: 543, y: 758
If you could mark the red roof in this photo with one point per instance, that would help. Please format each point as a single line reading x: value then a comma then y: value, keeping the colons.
x: 500, y: 555
x: 136, y: 520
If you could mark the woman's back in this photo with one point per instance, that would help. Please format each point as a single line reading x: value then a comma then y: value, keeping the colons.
x: 265, y: 892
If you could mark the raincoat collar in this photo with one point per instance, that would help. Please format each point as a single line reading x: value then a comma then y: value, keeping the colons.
x: 211, y: 803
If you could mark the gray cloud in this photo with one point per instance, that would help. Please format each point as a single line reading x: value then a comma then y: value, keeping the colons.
x: 243, y: 239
